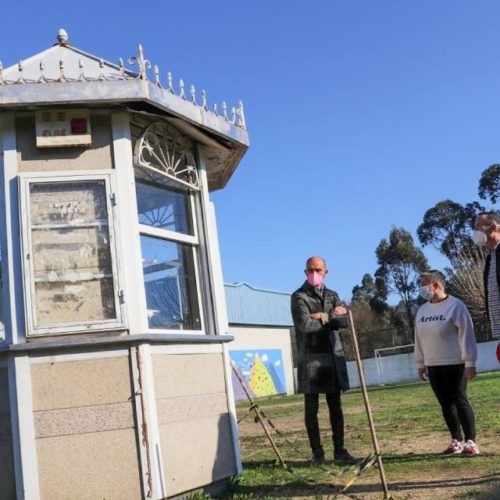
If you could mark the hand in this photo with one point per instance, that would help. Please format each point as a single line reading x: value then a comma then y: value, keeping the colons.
x: 422, y: 374
x: 470, y: 372
x: 321, y: 316
x: 340, y: 310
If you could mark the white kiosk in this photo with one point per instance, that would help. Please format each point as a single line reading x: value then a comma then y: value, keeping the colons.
x: 114, y: 377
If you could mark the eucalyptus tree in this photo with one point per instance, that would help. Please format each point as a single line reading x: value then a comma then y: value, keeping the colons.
x: 465, y: 281
x: 371, y: 316
x: 400, y: 264
x: 367, y: 295
x: 447, y: 226
x: 489, y: 184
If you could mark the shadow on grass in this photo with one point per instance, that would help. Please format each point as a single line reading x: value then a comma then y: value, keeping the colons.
x: 416, y: 457
x: 302, y: 488
x: 445, y: 483
x: 302, y: 480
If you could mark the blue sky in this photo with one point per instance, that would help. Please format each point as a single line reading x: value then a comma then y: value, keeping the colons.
x: 361, y: 114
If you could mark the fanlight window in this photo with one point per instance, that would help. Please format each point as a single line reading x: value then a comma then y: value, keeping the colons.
x: 163, y: 149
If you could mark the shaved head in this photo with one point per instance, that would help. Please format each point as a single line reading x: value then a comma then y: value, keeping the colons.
x: 315, y: 258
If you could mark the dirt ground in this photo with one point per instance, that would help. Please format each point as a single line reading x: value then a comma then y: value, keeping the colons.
x: 449, y: 483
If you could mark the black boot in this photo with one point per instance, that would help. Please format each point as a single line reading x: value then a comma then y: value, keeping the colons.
x: 343, y: 457
x: 318, y: 457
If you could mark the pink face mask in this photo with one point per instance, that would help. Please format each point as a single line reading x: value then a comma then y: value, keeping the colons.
x: 314, y: 278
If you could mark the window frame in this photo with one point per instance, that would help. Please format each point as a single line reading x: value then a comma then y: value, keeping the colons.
x: 177, y: 237
x: 33, y: 329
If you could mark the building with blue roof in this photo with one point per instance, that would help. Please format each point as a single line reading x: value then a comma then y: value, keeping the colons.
x: 261, y: 323
x: 248, y: 305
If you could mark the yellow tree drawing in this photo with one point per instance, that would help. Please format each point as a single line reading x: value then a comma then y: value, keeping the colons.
x: 261, y: 381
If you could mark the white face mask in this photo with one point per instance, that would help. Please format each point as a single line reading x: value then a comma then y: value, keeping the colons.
x: 479, y: 238
x: 425, y: 293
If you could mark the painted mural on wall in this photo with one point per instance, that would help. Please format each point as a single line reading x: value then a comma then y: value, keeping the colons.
x: 261, y: 369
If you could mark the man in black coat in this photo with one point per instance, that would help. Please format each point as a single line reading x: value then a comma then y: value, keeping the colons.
x: 487, y: 233
x: 322, y: 369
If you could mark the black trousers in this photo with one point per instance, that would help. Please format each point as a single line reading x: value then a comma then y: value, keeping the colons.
x: 450, y: 387
x: 311, y: 406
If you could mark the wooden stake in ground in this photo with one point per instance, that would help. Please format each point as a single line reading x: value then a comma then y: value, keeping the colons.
x: 254, y: 407
x: 367, y: 405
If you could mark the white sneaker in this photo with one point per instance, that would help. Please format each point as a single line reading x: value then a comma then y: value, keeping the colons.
x: 455, y: 448
x: 470, y: 449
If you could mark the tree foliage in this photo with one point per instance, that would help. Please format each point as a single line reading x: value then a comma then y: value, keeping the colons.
x: 367, y: 295
x: 371, y: 318
x: 400, y: 264
x: 447, y: 226
x: 465, y: 281
x: 489, y: 183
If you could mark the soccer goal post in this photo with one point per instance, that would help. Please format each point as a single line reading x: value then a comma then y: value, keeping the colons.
x: 388, y: 352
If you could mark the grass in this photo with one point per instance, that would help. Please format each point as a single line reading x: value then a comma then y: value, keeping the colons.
x: 410, y: 431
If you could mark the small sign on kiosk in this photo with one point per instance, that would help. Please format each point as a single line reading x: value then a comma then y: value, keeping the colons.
x: 57, y: 128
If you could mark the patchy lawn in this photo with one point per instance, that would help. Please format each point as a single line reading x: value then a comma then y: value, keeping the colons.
x: 411, y: 434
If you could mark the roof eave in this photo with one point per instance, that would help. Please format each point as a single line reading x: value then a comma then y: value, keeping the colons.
x: 122, y: 92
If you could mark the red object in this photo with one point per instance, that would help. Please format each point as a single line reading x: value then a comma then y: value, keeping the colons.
x: 498, y: 352
x: 78, y: 126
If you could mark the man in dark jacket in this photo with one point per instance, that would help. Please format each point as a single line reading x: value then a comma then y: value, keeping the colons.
x: 487, y: 232
x: 322, y: 369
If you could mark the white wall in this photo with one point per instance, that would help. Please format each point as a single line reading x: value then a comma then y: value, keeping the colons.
x: 402, y: 368
x: 394, y: 369
x: 256, y: 337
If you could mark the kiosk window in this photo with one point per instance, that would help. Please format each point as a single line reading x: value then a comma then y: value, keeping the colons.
x: 70, y: 258
x: 169, y: 246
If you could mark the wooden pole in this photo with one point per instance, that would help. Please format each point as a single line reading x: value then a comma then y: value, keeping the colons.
x: 256, y: 409
x: 367, y: 405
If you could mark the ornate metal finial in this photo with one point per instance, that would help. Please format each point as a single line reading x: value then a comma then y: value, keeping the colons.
x: 204, y: 100
x: 142, y: 63
x: 181, y: 89
x: 241, y: 116
x: 101, y: 68
x: 42, y: 69
x: 20, y: 68
x: 192, y: 90
x: 81, y: 76
x: 61, y: 70
x: 224, y: 110
x: 122, y: 68
x: 62, y: 36
x: 214, y: 110
x: 170, y: 87
x: 156, y: 72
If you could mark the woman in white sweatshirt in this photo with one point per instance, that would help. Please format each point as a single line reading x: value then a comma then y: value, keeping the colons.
x: 445, y: 352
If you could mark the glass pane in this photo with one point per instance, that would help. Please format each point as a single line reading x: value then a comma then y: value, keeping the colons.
x: 163, y: 207
x: 70, y: 253
x: 68, y: 202
x: 170, y: 284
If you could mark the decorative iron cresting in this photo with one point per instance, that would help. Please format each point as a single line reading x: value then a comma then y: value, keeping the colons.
x: 112, y: 72
x: 165, y: 150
